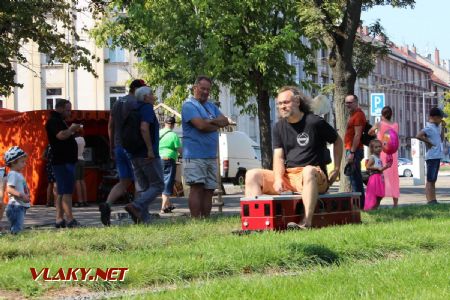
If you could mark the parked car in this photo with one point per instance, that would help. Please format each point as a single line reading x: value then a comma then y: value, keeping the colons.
x: 238, y: 154
x: 445, y: 162
x: 405, y: 169
x: 404, y: 161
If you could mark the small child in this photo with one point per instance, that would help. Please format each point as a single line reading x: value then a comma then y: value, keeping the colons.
x: 375, y: 185
x: 16, y: 188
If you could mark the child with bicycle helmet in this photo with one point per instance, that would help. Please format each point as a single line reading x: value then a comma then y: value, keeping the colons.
x: 16, y: 188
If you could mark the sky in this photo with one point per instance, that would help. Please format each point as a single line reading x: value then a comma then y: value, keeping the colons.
x: 427, y: 25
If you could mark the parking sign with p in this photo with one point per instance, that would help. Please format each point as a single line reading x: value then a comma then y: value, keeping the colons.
x: 376, y: 104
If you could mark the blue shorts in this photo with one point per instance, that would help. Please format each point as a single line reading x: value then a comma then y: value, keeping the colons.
x: 433, y: 169
x: 65, y: 178
x: 169, y: 173
x: 123, y: 164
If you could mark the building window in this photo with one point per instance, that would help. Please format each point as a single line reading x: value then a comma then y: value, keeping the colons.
x: 55, y: 61
x: 116, y: 54
x: 2, y: 99
x: 393, y: 69
x: 115, y: 92
x: 52, y: 95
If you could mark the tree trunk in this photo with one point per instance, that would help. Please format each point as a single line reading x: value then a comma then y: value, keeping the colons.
x: 344, y: 77
x: 265, y: 134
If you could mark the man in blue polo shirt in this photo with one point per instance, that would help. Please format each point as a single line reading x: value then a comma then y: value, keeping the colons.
x: 431, y: 135
x: 200, y: 120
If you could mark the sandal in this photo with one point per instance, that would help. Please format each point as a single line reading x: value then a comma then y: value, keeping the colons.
x: 168, y: 209
x: 295, y: 226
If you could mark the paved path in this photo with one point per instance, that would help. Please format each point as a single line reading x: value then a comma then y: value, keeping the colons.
x: 43, y: 217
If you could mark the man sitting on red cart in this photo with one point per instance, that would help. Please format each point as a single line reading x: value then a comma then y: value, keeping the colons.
x: 300, y: 155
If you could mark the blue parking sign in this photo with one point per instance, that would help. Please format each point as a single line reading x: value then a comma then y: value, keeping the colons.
x: 376, y: 104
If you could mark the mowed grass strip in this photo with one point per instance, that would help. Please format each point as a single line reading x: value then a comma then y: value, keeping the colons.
x: 416, y: 275
x: 183, y: 251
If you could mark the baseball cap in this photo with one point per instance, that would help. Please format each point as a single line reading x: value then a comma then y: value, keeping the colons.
x: 170, y: 120
x: 137, y: 83
x: 437, y: 112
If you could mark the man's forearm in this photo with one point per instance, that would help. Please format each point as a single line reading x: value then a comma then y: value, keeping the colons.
x: 338, y: 149
x: 355, y: 142
x: 147, y: 140
x: 210, y: 126
x: 278, y: 168
x: 64, y: 134
x: 221, y: 122
x: 111, y: 133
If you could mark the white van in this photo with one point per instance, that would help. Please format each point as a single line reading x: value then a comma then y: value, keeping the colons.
x: 238, y: 153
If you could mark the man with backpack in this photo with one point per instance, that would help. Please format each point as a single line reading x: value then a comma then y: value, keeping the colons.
x: 354, y: 148
x: 123, y: 163
x: 140, y: 139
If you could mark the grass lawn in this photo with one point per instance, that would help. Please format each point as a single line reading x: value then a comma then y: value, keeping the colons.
x: 396, y: 253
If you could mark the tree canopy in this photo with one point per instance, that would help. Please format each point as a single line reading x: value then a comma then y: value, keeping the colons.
x: 240, y: 43
x: 48, y: 23
x: 336, y: 22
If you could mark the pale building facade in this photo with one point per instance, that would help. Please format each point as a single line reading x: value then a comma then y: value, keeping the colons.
x: 404, y: 77
x: 44, y: 83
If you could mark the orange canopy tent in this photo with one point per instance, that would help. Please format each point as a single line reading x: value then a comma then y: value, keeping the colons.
x: 27, y: 130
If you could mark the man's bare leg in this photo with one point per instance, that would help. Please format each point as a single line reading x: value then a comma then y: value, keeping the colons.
x: 165, y: 202
x: 253, y: 183
x: 207, y: 202
x: 196, y: 196
x: 59, y: 209
x: 118, y: 190
x: 66, y: 204
x: 310, y: 194
x: 430, y: 191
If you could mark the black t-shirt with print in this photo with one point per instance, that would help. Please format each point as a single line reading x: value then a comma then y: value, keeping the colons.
x: 64, y: 151
x: 304, y: 143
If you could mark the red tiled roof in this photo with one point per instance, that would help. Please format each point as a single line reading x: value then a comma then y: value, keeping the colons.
x: 435, y: 79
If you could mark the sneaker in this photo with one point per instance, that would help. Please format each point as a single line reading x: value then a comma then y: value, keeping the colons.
x: 134, y: 213
x: 72, y: 224
x: 61, y: 224
x: 295, y: 226
x: 433, y: 202
x: 105, y: 213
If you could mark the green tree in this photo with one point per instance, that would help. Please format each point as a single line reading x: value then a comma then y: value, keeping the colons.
x: 336, y: 22
x: 38, y: 21
x: 239, y: 43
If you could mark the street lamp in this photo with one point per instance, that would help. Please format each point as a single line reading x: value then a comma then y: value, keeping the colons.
x: 423, y: 104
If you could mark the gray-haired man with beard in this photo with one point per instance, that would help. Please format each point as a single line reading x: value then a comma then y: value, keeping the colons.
x: 300, y: 155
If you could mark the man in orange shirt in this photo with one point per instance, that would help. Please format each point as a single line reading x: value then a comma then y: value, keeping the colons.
x: 354, y: 149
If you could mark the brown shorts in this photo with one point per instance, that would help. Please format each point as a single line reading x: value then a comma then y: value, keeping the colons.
x: 292, y: 180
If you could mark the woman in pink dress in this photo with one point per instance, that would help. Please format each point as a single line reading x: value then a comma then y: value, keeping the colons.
x: 391, y: 179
